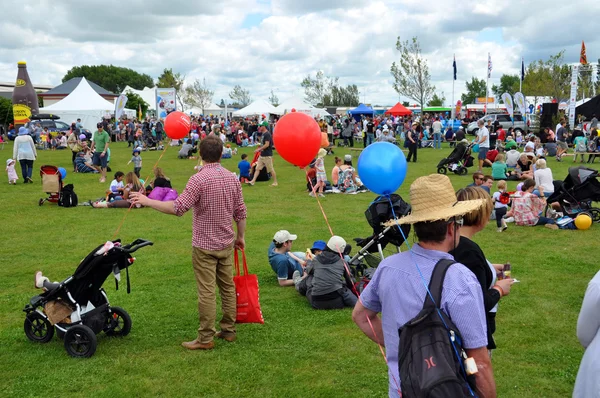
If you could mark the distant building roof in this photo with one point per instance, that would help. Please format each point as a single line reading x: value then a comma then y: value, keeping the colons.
x: 67, y: 87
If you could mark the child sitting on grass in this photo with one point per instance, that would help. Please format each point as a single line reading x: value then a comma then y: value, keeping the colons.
x: 116, y: 188
x: 500, y: 205
x: 244, y: 167
x: 499, y: 168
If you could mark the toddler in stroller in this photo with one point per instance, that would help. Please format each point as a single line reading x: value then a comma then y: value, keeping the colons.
x: 458, y: 161
x: 382, y: 210
x: 78, y: 307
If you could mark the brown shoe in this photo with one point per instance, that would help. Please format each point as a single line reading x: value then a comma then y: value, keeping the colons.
x: 196, y: 345
x: 227, y: 337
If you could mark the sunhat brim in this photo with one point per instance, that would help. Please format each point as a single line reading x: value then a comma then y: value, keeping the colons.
x: 459, y: 209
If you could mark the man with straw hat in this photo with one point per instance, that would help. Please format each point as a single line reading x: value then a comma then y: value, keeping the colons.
x: 398, y: 291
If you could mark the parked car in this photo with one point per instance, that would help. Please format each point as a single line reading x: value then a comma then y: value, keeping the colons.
x: 50, y: 121
x: 518, y: 124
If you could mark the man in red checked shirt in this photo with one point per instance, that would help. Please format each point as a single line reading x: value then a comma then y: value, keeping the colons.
x: 215, y: 195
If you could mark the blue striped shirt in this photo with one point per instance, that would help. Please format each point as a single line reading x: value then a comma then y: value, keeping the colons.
x: 398, y: 292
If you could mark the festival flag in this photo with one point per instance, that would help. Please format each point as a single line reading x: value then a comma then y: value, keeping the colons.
x: 582, y: 56
x: 140, y: 112
x: 120, y: 106
x: 508, y: 103
x: 520, y: 101
x: 489, y: 65
x: 522, y: 70
x: 454, y: 66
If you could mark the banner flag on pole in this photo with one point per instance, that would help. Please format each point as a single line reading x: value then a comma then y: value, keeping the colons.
x: 454, y: 66
x: 508, y: 102
x: 520, y: 101
x: 140, y: 112
x: 489, y: 65
x: 120, y: 106
x: 583, y: 56
x: 522, y: 70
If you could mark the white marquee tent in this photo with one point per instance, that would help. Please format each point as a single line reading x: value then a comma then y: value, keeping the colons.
x: 148, y: 94
x: 84, y: 103
x: 213, y: 109
x: 300, y: 106
x: 258, y: 107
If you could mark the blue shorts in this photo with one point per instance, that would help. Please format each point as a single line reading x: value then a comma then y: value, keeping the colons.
x: 98, y: 160
x: 482, y: 153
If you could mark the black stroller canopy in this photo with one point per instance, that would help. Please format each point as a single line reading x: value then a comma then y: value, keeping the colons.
x: 579, y: 175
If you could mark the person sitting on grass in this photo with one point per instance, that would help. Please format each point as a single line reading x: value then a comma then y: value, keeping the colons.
x: 326, y: 279
x: 132, y: 184
x: 84, y: 165
x: 283, y: 262
x: 499, y: 168
x: 117, y: 187
x: 527, y: 207
x: 488, y: 181
x: 316, y: 249
x: 500, y: 205
x: 187, y: 150
x: 524, y: 167
x: 244, y: 167
x: 543, y: 178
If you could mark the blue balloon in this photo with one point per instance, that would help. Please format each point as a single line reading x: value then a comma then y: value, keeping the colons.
x: 63, y: 172
x: 382, y: 167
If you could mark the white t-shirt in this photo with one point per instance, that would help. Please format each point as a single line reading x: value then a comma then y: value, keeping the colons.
x: 497, y: 203
x: 223, y: 137
x: 437, y: 127
x: 530, y: 146
x: 484, y: 134
x: 512, y: 157
x: 114, y: 186
x: 543, y: 178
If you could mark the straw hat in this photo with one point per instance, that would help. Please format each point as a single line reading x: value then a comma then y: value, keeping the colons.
x: 432, y: 198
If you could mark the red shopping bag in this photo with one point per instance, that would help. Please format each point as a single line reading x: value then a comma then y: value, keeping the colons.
x: 246, y: 290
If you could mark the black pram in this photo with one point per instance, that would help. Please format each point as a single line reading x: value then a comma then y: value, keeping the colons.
x: 458, y: 161
x: 79, y: 305
x: 577, y: 192
x: 382, y: 209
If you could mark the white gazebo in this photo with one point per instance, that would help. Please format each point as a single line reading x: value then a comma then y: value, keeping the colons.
x: 258, y: 107
x: 299, y: 106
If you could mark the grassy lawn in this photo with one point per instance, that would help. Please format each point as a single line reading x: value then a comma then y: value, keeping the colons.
x: 298, y: 351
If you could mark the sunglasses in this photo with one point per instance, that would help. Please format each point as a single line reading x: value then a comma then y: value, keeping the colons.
x: 479, y: 179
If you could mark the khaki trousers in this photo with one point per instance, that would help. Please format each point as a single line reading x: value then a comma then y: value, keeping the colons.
x: 214, y: 267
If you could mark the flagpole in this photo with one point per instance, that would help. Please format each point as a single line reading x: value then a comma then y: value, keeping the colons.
x: 453, y: 80
x: 487, y: 82
x: 521, y: 78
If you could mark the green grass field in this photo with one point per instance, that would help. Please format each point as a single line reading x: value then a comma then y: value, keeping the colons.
x: 298, y: 352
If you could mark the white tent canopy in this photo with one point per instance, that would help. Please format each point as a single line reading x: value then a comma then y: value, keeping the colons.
x: 148, y: 95
x: 300, y: 106
x: 210, y: 109
x: 84, y: 103
x: 258, y: 107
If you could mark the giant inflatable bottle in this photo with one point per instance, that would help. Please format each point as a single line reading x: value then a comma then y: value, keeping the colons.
x: 24, y: 98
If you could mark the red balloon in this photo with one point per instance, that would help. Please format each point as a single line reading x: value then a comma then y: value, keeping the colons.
x: 177, y: 125
x: 297, y: 138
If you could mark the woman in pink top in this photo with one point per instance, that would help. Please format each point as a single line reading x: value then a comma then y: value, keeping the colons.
x: 527, y: 207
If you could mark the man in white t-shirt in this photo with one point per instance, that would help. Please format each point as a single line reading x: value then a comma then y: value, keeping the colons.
x: 437, y: 133
x: 483, y: 140
x: 512, y: 157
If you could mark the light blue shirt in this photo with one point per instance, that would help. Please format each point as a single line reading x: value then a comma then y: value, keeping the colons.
x: 398, y: 292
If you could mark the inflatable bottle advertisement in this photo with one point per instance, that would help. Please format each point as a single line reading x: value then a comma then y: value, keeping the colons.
x: 24, y: 98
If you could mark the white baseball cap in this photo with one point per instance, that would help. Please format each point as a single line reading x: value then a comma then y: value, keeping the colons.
x: 284, y: 236
x: 336, y: 244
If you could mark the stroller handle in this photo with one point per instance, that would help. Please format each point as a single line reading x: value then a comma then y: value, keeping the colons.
x: 135, y: 245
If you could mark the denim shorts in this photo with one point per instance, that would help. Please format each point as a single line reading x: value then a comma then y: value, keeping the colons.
x: 482, y: 153
x: 98, y: 160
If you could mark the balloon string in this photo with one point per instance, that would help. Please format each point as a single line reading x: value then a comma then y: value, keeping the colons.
x: 354, y: 290
x: 142, y: 189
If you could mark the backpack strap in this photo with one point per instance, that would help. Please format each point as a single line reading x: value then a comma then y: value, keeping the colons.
x: 436, y: 283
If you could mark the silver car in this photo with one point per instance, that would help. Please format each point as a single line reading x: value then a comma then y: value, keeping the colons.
x: 504, y: 119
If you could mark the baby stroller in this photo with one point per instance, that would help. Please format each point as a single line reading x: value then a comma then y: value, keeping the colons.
x: 459, y: 160
x: 51, y: 183
x: 371, y: 253
x: 577, y: 192
x: 78, y: 308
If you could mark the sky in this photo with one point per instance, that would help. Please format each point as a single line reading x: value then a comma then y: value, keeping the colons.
x: 266, y: 45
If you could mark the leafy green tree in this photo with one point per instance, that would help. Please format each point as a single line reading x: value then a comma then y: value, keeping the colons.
x: 411, y: 75
x: 240, y: 96
x: 134, y: 101
x: 437, y: 101
x: 169, y: 79
x: 222, y: 103
x: 475, y: 89
x: 6, y: 111
x: 110, y: 77
x: 405, y: 103
x: 274, y: 99
x: 198, y: 95
x: 508, y: 84
x: 326, y: 91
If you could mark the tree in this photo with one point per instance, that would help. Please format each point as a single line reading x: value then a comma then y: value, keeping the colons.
x: 240, y: 96
x: 437, y: 101
x: 411, y: 76
x: 6, y: 111
x: 274, y: 99
x: 405, y: 103
x: 169, y: 79
x: 134, y: 101
x: 198, y: 95
x: 475, y: 89
x: 326, y: 91
x: 222, y: 103
x: 110, y: 77
x: 508, y: 84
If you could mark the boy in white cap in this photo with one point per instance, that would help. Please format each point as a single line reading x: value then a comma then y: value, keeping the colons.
x: 327, y: 279
x: 283, y: 262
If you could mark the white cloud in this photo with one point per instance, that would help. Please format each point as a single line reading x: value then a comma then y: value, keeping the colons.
x: 346, y: 38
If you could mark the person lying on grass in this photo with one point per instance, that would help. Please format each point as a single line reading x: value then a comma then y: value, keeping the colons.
x: 132, y: 184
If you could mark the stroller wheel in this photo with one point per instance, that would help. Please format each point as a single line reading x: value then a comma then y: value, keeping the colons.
x: 442, y: 170
x: 41, y: 202
x: 119, y: 323
x: 80, y: 341
x: 37, y: 328
x: 595, y: 214
x: 462, y: 171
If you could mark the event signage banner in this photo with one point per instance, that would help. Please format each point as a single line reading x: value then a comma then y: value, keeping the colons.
x: 508, y: 102
x: 573, y: 98
x: 520, y: 102
x: 166, y: 101
x: 120, y: 106
x: 481, y: 100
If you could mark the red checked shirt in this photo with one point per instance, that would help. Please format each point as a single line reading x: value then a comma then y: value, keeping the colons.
x: 215, y: 195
